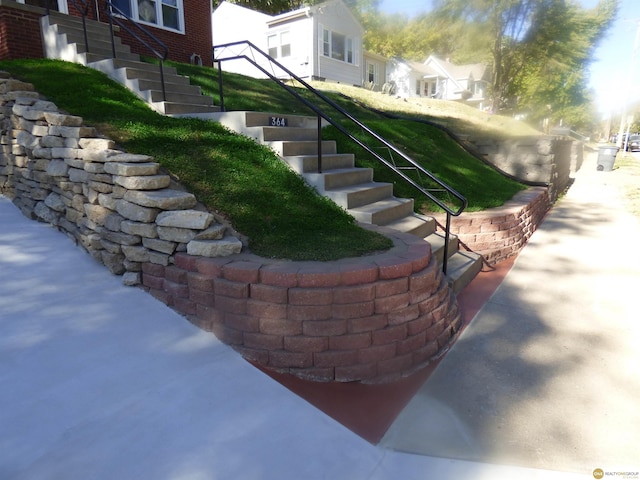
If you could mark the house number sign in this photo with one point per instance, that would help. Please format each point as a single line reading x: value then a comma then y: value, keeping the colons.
x: 277, y: 122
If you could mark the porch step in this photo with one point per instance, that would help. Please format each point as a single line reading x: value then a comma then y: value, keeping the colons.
x: 64, y: 39
x: 368, y: 201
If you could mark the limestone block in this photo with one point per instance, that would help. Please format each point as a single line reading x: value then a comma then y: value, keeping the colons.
x: 91, y: 155
x: 132, y: 266
x: 40, y: 165
x: 25, y: 139
x: 40, y: 131
x: 96, y: 213
x: 75, y: 163
x: 151, y: 182
x: 100, y: 177
x: 114, y: 262
x: 57, y: 168
x: 113, y: 221
x: 71, y: 132
x: 54, y: 118
x: 45, y: 213
x: 78, y: 202
x: 120, y: 238
x: 96, y: 143
x: 55, y: 202
x: 131, y: 279
x: 40, y: 152
x: 94, y: 167
x: 158, y: 245
x: 165, y: 199
x: 130, y: 158
x: 145, y: 230
x: 65, y: 152
x: 173, y: 234
x: 110, y: 247
x: 137, y: 213
x: 45, y: 106
x: 159, y: 258
x: 192, y: 219
x: 107, y: 201
x: 214, y: 248
x: 132, y: 169
x: 215, y: 232
x: 135, y: 253
x: 78, y: 176
x: 101, y: 187
x: 12, y: 85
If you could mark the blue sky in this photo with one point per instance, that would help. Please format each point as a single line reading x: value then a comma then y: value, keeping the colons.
x: 611, y: 69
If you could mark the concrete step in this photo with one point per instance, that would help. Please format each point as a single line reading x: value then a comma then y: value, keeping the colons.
x: 338, y: 178
x: 100, y: 51
x: 360, y: 195
x: 309, y: 163
x: 462, y: 268
x: 182, y: 109
x: 436, y: 240
x: 384, y: 211
x: 417, y: 225
x: 288, y: 149
x: 272, y: 134
x: 138, y: 65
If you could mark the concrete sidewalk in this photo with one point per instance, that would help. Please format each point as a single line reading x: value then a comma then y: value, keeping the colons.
x: 547, y: 374
x: 102, y: 381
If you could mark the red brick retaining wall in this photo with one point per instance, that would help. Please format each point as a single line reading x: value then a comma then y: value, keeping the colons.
x: 370, y: 319
x: 500, y: 233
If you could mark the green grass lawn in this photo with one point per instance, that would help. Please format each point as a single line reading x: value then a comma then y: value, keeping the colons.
x: 247, y: 183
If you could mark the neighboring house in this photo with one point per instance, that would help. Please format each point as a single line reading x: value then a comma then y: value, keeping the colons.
x: 319, y: 42
x: 180, y: 24
x: 374, y: 74
x: 436, y: 78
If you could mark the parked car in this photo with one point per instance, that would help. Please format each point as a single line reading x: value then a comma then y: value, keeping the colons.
x: 633, y: 144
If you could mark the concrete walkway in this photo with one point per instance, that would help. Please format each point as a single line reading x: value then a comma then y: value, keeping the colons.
x: 548, y: 373
x: 101, y: 381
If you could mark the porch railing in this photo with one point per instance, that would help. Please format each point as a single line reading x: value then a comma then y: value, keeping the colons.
x: 409, y: 170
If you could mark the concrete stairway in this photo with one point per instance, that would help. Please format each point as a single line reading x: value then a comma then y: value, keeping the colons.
x: 63, y: 39
x: 350, y: 187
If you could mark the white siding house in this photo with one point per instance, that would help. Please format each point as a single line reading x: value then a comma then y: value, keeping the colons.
x: 319, y: 42
x: 436, y: 78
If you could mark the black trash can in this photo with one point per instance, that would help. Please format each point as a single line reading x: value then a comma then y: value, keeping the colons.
x: 607, y: 157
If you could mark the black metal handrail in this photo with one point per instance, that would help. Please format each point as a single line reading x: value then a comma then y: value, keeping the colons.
x: 161, y: 51
x: 219, y: 57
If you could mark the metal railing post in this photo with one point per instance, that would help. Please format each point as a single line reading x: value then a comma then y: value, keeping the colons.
x: 445, y: 258
x: 319, y: 144
x: 220, y: 86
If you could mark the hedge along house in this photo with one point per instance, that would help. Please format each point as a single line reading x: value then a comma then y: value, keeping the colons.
x: 179, y: 24
x: 322, y: 42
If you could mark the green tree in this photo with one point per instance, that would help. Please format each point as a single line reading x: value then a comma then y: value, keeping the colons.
x: 539, y: 49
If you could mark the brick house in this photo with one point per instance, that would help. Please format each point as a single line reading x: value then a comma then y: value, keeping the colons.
x: 180, y: 24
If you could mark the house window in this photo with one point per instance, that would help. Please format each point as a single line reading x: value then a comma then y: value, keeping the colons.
x: 371, y: 72
x: 418, y: 89
x: 279, y: 44
x: 168, y: 14
x: 338, y: 46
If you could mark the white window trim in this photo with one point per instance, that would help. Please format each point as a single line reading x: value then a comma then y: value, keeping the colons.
x: 278, y: 34
x: 136, y: 16
x: 347, y: 40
